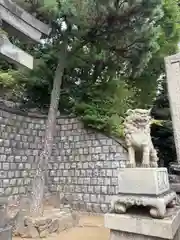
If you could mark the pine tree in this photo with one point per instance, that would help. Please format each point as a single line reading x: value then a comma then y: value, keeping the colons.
x: 124, y: 32
x: 168, y: 40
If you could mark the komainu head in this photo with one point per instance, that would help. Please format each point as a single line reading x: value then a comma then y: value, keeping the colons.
x: 140, y: 117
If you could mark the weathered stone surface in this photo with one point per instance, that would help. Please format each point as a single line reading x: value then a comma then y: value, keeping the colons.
x: 42, y: 222
x: 28, y: 232
x: 75, y: 218
x: 137, y: 136
x: 54, y: 226
x: 14, y: 54
x: 53, y: 221
x: 15, y: 19
x: 157, y: 204
x: 22, y: 21
x: 3, y: 214
x: 173, y: 73
x: 5, y: 233
x: 19, y: 227
x: 142, y: 227
x: 44, y: 233
x: 150, y: 181
x: 133, y: 191
x: 30, y: 228
x: 54, y: 199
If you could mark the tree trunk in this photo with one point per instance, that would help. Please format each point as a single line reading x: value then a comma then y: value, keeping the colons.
x: 38, y: 184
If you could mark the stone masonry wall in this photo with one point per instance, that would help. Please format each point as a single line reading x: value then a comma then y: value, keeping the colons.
x: 83, y: 164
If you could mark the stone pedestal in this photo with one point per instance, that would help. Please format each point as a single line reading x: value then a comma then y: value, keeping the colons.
x: 143, y: 187
x: 137, y: 226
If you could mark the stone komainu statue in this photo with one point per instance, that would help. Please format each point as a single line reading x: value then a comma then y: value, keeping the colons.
x: 138, y: 139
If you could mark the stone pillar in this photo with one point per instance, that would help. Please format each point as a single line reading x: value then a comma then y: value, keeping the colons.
x: 139, y: 227
x: 172, y: 64
x: 14, y: 54
x: 16, y: 21
x: 21, y: 23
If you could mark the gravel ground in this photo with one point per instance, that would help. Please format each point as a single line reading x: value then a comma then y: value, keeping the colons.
x: 90, y: 227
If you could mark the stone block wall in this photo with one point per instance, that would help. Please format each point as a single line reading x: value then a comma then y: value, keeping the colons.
x: 83, y: 166
x: 20, y: 144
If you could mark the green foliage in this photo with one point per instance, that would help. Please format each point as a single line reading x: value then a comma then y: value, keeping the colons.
x: 157, y: 122
x: 6, y: 79
x: 163, y: 140
x: 108, y: 40
x: 169, y: 35
x: 11, y: 85
x: 110, y: 43
x: 162, y: 135
x: 105, y: 106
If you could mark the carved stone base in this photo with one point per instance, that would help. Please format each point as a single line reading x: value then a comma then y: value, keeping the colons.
x: 157, y: 204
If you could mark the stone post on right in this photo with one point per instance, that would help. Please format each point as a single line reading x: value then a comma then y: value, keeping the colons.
x: 145, y: 206
x: 172, y: 64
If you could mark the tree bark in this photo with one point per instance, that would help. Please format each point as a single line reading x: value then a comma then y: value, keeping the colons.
x: 38, y: 184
